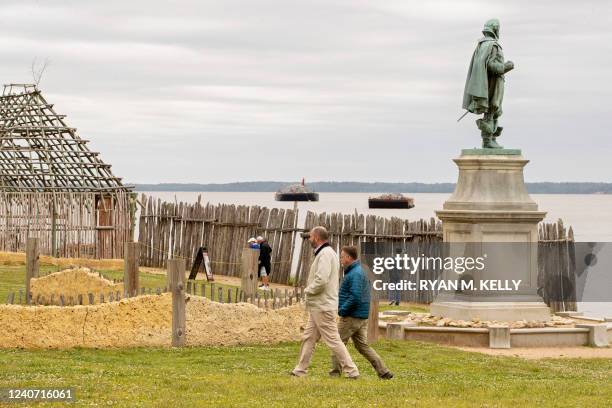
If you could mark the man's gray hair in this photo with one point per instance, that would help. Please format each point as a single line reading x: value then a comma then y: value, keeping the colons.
x: 320, y: 232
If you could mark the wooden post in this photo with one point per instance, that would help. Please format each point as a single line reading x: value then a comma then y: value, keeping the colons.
x: 131, y: 255
x: 248, y: 284
x: 54, y: 228
x: 32, y: 265
x: 373, y: 315
x: 176, y: 272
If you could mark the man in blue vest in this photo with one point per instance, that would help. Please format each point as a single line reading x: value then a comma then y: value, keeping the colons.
x: 354, y: 308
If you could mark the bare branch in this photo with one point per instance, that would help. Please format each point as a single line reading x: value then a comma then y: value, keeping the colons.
x: 37, y: 72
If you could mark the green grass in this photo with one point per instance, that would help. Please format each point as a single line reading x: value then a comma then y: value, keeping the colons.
x: 12, y: 279
x: 426, y: 376
x: 410, y: 307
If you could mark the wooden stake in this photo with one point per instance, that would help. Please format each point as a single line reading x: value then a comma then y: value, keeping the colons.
x: 248, y: 284
x: 176, y: 272
x: 32, y: 264
x: 130, y: 268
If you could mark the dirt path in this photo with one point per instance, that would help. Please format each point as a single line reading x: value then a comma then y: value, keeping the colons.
x: 225, y: 280
x: 545, y: 352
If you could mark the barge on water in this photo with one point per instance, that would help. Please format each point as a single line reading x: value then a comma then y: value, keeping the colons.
x: 296, y: 192
x: 395, y: 200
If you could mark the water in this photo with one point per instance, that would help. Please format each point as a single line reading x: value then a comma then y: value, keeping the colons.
x: 588, y: 214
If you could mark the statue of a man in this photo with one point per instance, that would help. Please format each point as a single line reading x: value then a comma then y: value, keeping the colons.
x: 484, y: 87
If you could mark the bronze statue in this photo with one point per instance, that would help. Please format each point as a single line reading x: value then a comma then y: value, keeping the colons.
x: 484, y: 87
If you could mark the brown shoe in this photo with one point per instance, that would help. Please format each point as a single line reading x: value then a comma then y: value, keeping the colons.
x: 334, y: 373
x: 386, y: 376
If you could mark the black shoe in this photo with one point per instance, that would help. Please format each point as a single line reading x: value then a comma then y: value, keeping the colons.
x: 334, y: 373
x: 391, y: 304
x: 386, y: 376
x: 396, y: 303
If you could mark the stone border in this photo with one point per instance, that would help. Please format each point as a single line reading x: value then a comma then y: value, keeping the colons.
x: 594, y: 335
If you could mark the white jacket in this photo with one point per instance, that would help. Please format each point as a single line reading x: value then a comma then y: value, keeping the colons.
x: 322, y: 286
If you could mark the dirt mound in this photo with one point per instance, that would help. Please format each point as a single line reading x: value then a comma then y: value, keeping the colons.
x: 71, y: 283
x: 145, y: 321
x: 141, y: 321
x: 212, y: 323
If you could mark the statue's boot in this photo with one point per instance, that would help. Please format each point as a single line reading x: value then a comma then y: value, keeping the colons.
x: 488, y: 142
x: 493, y: 144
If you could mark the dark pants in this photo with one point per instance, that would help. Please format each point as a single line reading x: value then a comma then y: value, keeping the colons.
x: 357, y: 329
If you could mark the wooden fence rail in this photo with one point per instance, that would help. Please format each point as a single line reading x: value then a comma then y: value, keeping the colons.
x: 264, y: 299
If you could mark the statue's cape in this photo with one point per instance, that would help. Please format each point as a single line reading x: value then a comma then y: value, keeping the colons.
x: 476, y: 93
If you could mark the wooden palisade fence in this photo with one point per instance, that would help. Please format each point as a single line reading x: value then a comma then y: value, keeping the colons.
x: 171, y: 229
x: 178, y: 230
x: 557, y: 266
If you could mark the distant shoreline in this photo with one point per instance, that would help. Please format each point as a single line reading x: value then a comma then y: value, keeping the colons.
x: 360, y: 187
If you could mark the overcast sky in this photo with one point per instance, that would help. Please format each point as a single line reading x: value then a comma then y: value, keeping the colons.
x: 219, y: 91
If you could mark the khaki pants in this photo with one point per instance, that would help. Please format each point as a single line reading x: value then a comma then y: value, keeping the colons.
x: 357, y: 329
x: 322, y: 325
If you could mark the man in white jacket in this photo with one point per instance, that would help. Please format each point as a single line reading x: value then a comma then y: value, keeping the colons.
x: 322, y: 305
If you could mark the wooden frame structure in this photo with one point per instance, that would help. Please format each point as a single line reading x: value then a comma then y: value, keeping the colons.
x: 53, y: 187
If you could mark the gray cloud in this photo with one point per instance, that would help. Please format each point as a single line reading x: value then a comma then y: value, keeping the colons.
x: 205, y: 91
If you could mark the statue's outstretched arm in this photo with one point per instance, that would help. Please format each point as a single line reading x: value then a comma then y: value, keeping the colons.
x: 496, y: 64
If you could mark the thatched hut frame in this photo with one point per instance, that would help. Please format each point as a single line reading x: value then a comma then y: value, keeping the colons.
x: 53, y: 187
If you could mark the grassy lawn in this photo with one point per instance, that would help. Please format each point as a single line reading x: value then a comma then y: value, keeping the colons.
x: 426, y: 375
x: 411, y: 307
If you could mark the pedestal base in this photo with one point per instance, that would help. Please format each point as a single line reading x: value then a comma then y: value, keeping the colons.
x: 492, y: 211
x: 499, y: 311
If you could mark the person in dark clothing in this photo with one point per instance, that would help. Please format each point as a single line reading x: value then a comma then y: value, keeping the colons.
x: 265, y: 262
x: 353, y: 309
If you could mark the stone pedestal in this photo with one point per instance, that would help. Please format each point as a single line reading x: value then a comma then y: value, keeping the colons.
x: 491, y: 206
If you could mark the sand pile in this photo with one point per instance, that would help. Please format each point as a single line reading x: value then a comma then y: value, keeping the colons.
x: 145, y: 321
x: 212, y: 323
x: 71, y: 283
x: 141, y: 321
